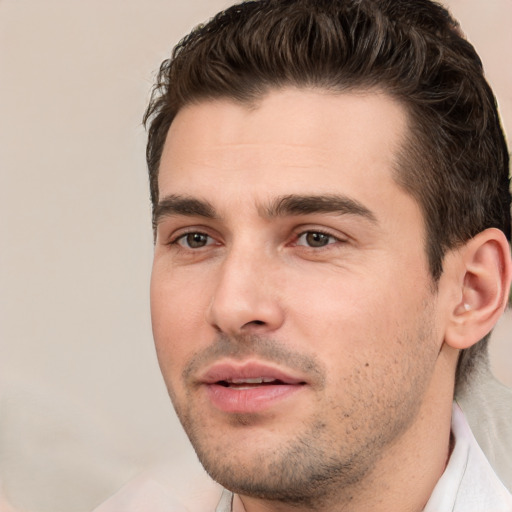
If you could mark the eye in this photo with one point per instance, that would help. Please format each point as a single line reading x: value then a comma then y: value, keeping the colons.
x: 194, y: 240
x: 315, y: 239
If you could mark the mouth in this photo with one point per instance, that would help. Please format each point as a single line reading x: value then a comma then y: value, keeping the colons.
x: 250, y: 387
x: 251, y: 383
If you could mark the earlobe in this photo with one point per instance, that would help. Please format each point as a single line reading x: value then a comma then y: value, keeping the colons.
x: 486, y: 272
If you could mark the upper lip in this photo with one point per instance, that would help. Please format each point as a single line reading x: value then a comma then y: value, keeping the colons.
x: 241, y: 372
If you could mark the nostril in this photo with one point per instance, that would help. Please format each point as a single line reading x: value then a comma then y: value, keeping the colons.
x: 254, y: 323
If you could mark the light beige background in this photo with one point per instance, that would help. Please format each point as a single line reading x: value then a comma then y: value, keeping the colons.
x: 82, y: 404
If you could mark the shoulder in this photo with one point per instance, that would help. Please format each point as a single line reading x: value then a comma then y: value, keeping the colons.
x: 480, y: 486
x: 487, y: 406
x: 469, y: 483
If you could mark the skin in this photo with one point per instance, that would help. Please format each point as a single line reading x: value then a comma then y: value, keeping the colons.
x: 342, y: 300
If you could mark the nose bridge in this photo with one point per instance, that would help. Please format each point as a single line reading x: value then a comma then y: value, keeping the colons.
x: 245, y: 297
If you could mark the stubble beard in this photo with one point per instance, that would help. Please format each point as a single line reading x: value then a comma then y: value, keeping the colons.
x: 314, y: 466
x: 302, y: 472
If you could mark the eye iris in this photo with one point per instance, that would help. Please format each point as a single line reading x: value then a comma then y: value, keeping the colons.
x: 315, y: 239
x: 196, y: 240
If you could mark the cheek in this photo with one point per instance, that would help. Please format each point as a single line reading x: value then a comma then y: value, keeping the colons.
x: 177, y: 317
x: 358, y: 318
x: 338, y: 306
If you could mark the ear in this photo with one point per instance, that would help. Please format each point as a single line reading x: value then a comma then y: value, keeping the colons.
x: 485, y: 273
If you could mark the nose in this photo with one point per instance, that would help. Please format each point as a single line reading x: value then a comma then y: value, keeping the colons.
x: 245, y: 299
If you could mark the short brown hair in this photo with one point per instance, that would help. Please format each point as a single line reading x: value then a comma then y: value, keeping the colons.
x: 455, y: 162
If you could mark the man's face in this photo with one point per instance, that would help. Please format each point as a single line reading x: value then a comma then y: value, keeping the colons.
x: 292, y: 307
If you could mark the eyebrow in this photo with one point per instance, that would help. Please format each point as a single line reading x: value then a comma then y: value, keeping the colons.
x: 282, y: 206
x: 182, y: 205
x: 308, y: 204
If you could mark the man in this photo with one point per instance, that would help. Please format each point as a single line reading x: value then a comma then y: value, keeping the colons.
x: 331, y: 209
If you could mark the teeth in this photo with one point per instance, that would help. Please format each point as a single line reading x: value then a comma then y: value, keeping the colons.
x: 255, y: 380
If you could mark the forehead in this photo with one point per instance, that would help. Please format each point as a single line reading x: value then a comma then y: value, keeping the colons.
x: 291, y: 141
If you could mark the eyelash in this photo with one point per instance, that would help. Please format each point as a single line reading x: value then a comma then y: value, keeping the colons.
x: 321, y: 236
x: 176, y: 240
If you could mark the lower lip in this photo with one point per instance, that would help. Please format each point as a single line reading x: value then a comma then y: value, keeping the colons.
x: 249, y: 400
